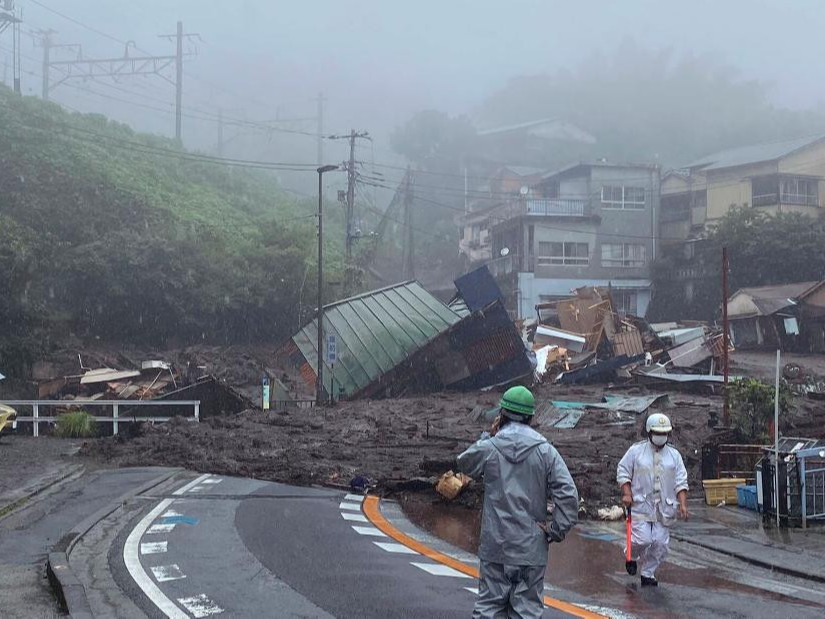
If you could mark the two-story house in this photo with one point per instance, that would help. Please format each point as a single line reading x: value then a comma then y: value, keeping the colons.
x: 587, y: 224
x: 776, y: 177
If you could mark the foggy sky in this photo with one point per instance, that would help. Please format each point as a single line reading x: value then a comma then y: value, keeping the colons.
x: 379, y: 61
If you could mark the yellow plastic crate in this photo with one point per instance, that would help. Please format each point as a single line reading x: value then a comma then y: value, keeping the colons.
x: 718, y: 490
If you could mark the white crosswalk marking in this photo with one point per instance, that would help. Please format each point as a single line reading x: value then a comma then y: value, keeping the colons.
x: 358, y: 498
x: 164, y: 573
x: 200, y: 606
x: 396, y: 548
x: 160, y: 528
x: 368, y: 531
x: 152, y: 548
x: 354, y: 517
x: 355, y: 507
x: 436, y: 569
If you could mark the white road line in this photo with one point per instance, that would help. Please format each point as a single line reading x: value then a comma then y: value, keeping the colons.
x: 197, y: 489
x: 132, y: 559
x: 473, y: 590
x: 436, y: 569
x: 355, y: 507
x: 170, y: 513
x: 358, y: 498
x: 164, y: 573
x: 200, y: 606
x: 400, y: 549
x: 354, y: 517
x: 153, y: 548
x: 161, y: 528
x: 213, y: 480
x: 368, y: 531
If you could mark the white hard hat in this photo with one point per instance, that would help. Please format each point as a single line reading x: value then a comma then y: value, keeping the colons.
x: 658, y: 423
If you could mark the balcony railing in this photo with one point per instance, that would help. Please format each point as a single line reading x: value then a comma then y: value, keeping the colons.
x: 772, y: 199
x: 555, y: 207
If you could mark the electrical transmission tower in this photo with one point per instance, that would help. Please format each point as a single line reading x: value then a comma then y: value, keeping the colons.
x: 114, y: 68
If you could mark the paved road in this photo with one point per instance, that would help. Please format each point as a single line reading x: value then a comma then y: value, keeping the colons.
x: 242, y: 548
x: 27, y: 534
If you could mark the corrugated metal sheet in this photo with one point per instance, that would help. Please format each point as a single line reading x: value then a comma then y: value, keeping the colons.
x: 375, y: 332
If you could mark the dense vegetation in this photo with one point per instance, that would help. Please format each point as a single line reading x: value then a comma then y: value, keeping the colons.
x: 109, y: 234
x: 763, y: 250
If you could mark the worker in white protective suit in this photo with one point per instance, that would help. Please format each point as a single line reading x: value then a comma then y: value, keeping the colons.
x: 653, y: 480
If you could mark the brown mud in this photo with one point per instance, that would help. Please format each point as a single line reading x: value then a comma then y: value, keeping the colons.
x: 399, y: 444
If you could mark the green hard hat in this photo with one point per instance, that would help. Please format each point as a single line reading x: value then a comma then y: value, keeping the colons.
x: 518, y: 400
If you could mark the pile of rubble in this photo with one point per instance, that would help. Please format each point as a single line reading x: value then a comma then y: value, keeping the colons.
x: 583, y: 339
x: 126, y: 379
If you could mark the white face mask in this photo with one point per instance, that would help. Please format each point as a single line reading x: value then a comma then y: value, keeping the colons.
x: 658, y: 439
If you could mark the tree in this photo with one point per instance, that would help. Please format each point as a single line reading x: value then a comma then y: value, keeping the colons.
x: 644, y: 105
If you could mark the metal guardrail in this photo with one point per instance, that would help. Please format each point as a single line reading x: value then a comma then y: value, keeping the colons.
x: 36, y: 418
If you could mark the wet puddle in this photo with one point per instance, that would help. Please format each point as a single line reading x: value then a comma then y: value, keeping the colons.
x: 590, y: 562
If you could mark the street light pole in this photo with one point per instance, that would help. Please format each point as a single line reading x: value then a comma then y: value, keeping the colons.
x: 319, y: 384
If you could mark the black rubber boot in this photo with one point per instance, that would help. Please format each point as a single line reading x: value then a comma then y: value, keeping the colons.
x: 649, y: 582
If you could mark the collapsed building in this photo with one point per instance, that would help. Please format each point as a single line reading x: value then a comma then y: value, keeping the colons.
x: 401, y: 339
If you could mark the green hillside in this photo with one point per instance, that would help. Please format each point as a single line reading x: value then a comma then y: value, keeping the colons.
x: 106, y: 233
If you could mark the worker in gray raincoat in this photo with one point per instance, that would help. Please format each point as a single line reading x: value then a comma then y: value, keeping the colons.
x: 521, y: 472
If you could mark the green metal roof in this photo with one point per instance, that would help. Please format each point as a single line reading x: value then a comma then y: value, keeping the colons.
x: 375, y: 332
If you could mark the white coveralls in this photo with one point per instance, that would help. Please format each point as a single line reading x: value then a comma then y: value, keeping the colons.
x: 656, y: 477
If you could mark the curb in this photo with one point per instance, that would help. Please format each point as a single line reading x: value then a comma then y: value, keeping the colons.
x: 755, y: 561
x: 67, y: 587
x: 9, y: 508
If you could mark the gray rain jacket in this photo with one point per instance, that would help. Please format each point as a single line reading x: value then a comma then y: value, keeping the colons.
x: 521, y: 471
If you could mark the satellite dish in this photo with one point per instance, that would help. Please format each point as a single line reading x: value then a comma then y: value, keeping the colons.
x: 504, y: 251
x: 524, y: 190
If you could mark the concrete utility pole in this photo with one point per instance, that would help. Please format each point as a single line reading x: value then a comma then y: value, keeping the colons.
x: 8, y: 17
x: 320, y: 128
x: 178, y: 81
x: 409, y: 253
x: 352, y: 177
x: 319, y: 382
x: 220, y: 132
x: 46, y: 42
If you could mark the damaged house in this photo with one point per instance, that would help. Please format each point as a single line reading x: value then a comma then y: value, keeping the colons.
x: 402, y: 339
x: 790, y: 317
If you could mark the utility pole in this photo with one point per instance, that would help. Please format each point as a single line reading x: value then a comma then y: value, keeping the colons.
x: 320, y: 127
x: 46, y: 43
x: 8, y: 17
x: 352, y: 177
x: 409, y: 262
x: 725, y: 335
x: 220, y: 132
x: 179, y: 81
x: 319, y: 384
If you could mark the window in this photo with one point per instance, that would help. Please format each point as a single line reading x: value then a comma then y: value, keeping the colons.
x: 799, y: 191
x: 622, y: 197
x: 568, y: 254
x: 625, y: 302
x: 625, y: 255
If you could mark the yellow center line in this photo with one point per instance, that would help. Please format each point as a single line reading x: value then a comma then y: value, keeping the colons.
x: 373, y: 513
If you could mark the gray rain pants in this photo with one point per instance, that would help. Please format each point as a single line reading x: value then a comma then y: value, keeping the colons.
x: 510, y: 592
